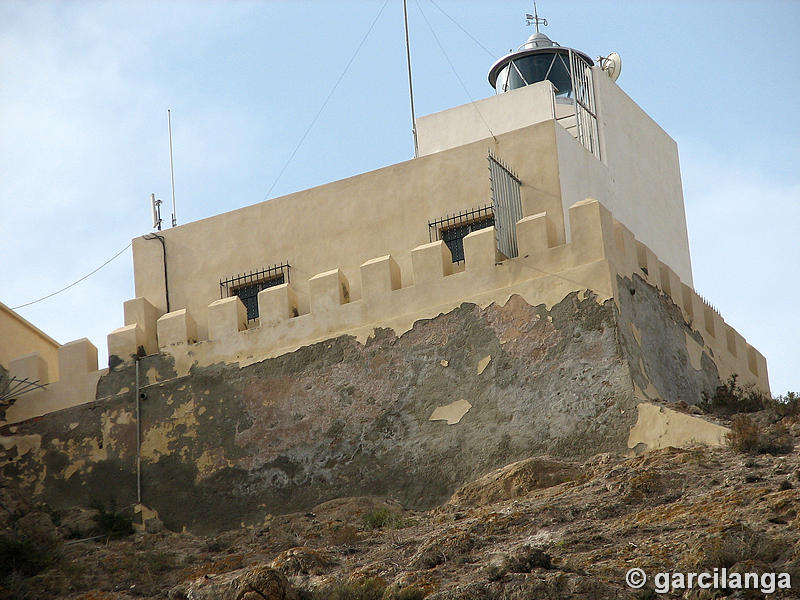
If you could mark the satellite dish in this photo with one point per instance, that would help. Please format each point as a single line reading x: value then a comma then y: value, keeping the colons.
x: 612, y: 65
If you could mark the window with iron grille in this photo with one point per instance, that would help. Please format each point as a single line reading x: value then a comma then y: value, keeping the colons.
x: 453, y: 229
x: 247, y: 285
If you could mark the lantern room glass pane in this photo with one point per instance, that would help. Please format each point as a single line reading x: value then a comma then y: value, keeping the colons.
x: 537, y: 67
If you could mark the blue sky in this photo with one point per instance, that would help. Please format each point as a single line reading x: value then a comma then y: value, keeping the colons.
x: 84, y: 89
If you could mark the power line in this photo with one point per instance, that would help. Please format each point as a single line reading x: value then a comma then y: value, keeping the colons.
x: 457, y: 24
x: 325, y: 103
x: 452, y: 68
x: 74, y: 282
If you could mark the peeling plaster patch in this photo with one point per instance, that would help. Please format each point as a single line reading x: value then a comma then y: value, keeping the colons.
x: 483, y: 363
x: 695, y: 351
x: 152, y: 375
x: 110, y: 420
x: 637, y: 334
x: 157, y: 439
x: 212, y: 460
x: 661, y: 427
x: 452, y: 413
x: 444, y: 363
x: 24, y: 443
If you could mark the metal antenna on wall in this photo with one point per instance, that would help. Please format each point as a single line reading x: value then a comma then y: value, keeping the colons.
x: 155, y: 204
x: 410, y: 85
x: 171, y: 170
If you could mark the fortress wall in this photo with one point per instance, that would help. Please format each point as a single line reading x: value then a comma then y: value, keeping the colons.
x: 21, y: 338
x: 544, y: 273
x: 410, y: 416
x: 541, y: 274
x: 77, y: 384
x: 718, y: 339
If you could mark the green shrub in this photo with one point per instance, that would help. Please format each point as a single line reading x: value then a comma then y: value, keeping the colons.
x: 409, y: 593
x: 23, y: 556
x: 109, y: 522
x: 788, y: 405
x: 369, y: 589
x: 748, y: 437
x: 731, y: 398
x: 383, y: 517
x: 527, y: 559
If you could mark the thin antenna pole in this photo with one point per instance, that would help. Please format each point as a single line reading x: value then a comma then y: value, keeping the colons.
x: 410, y: 84
x: 171, y: 169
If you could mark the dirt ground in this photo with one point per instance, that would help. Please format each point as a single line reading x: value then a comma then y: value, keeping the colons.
x: 539, y: 529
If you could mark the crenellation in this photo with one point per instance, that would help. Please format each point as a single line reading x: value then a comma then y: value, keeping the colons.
x: 533, y: 234
x: 276, y: 304
x: 730, y: 340
x: 626, y: 248
x: 226, y: 317
x: 141, y: 312
x: 592, y: 229
x: 688, y: 304
x: 480, y: 250
x: 648, y: 264
x: 31, y: 367
x: 76, y: 384
x: 125, y: 342
x: 176, y: 327
x: 379, y: 277
x: 430, y: 262
x: 76, y: 359
x: 711, y: 321
x: 328, y: 291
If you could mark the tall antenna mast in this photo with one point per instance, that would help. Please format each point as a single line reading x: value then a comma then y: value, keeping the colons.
x: 410, y: 85
x: 171, y: 170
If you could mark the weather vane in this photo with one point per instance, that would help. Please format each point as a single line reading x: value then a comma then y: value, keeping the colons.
x: 535, y: 18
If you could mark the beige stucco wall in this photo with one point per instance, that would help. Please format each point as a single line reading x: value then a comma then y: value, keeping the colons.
x: 645, y: 191
x: 76, y: 382
x: 638, y: 177
x: 19, y: 337
x: 342, y: 224
x: 481, y: 119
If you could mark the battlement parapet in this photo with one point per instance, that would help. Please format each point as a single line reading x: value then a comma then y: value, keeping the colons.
x: 543, y: 273
x: 729, y: 348
x: 77, y: 383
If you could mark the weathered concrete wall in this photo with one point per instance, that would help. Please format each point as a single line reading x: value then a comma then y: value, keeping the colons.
x: 412, y: 417
x: 225, y: 444
x: 667, y: 358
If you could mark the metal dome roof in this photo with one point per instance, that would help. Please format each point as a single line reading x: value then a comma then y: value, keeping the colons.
x: 538, y: 40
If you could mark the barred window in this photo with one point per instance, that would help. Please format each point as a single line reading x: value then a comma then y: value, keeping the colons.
x: 453, y: 229
x: 247, y: 286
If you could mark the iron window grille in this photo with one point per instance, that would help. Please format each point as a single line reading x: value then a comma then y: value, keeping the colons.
x: 247, y: 285
x: 453, y: 229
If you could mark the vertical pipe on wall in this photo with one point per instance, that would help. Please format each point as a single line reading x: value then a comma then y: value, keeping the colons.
x: 138, y: 438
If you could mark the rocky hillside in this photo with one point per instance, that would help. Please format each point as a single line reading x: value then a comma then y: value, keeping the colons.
x: 537, y: 529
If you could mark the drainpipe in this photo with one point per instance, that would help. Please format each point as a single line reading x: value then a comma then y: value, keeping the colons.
x: 138, y: 437
x: 160, y: 238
